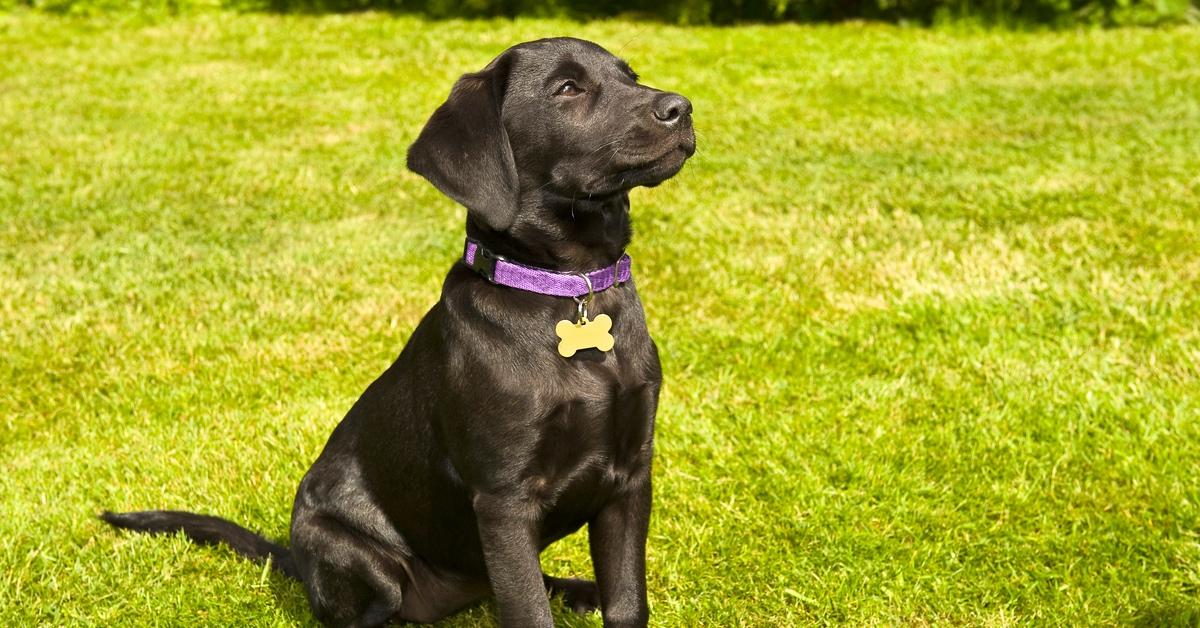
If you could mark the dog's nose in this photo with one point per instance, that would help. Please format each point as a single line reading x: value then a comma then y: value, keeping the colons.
x: 671, y: 108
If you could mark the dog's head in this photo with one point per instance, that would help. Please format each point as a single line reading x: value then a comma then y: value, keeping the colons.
x: 554, y: 116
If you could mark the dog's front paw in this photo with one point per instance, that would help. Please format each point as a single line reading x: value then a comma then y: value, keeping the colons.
x: 581, y: 596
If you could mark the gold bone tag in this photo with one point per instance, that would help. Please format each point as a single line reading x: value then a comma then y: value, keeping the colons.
x: 584, y: 335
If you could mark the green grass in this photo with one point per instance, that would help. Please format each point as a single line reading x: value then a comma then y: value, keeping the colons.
x: 928, y: 304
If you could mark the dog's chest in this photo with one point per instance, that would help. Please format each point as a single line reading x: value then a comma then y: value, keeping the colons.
x: 589, y: 445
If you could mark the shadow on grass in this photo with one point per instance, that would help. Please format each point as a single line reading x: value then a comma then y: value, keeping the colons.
x: 1172, y: 613
x: 440, y: 10
x: 1028, y: 16
x: 670, y: 12
x: 289, y: 596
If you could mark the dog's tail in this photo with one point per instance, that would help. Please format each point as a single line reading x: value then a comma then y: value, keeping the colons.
x: 207, y: 530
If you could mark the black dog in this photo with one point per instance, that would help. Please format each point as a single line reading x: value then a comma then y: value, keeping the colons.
x: 481, y: 445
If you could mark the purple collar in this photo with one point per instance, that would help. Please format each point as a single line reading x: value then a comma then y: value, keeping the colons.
x: 504, y: 272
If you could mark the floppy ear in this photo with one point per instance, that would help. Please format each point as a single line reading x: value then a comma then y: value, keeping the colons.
x: 464, y: 151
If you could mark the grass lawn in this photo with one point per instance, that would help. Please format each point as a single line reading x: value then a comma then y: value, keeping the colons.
x: 928, y: 304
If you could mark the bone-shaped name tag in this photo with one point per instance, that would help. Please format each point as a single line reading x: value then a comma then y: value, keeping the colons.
x: 585, y: 334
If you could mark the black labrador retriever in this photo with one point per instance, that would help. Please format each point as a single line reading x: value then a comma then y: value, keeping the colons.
x: 482, y: 444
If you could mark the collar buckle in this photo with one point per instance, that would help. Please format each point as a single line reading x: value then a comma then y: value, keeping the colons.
x: 484, y: 263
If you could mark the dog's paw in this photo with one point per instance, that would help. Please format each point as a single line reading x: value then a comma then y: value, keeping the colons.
x: 581, y: 596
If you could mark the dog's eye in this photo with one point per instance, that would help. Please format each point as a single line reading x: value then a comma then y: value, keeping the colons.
x: 568, y: 88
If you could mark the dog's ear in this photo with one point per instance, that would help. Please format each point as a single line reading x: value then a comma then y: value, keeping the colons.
x: 464, y: 151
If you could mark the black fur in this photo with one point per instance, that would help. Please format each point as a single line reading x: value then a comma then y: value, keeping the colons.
x: 207, y: 530
x: 480, y: 445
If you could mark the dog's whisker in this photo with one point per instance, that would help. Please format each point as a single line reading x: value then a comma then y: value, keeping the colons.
x: 613, y: 155
x: 607, y: 144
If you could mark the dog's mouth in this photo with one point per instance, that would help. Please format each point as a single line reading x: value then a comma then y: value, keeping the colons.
x: 648, y: 173
x: 659, y: 169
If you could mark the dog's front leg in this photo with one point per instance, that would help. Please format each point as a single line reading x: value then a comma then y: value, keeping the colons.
x: 617, y: 536
x: 508, y: 533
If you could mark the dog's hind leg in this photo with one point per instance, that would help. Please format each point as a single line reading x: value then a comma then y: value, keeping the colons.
x: 581, y: 596
x: 434, y: 595
x: 350, y: 579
